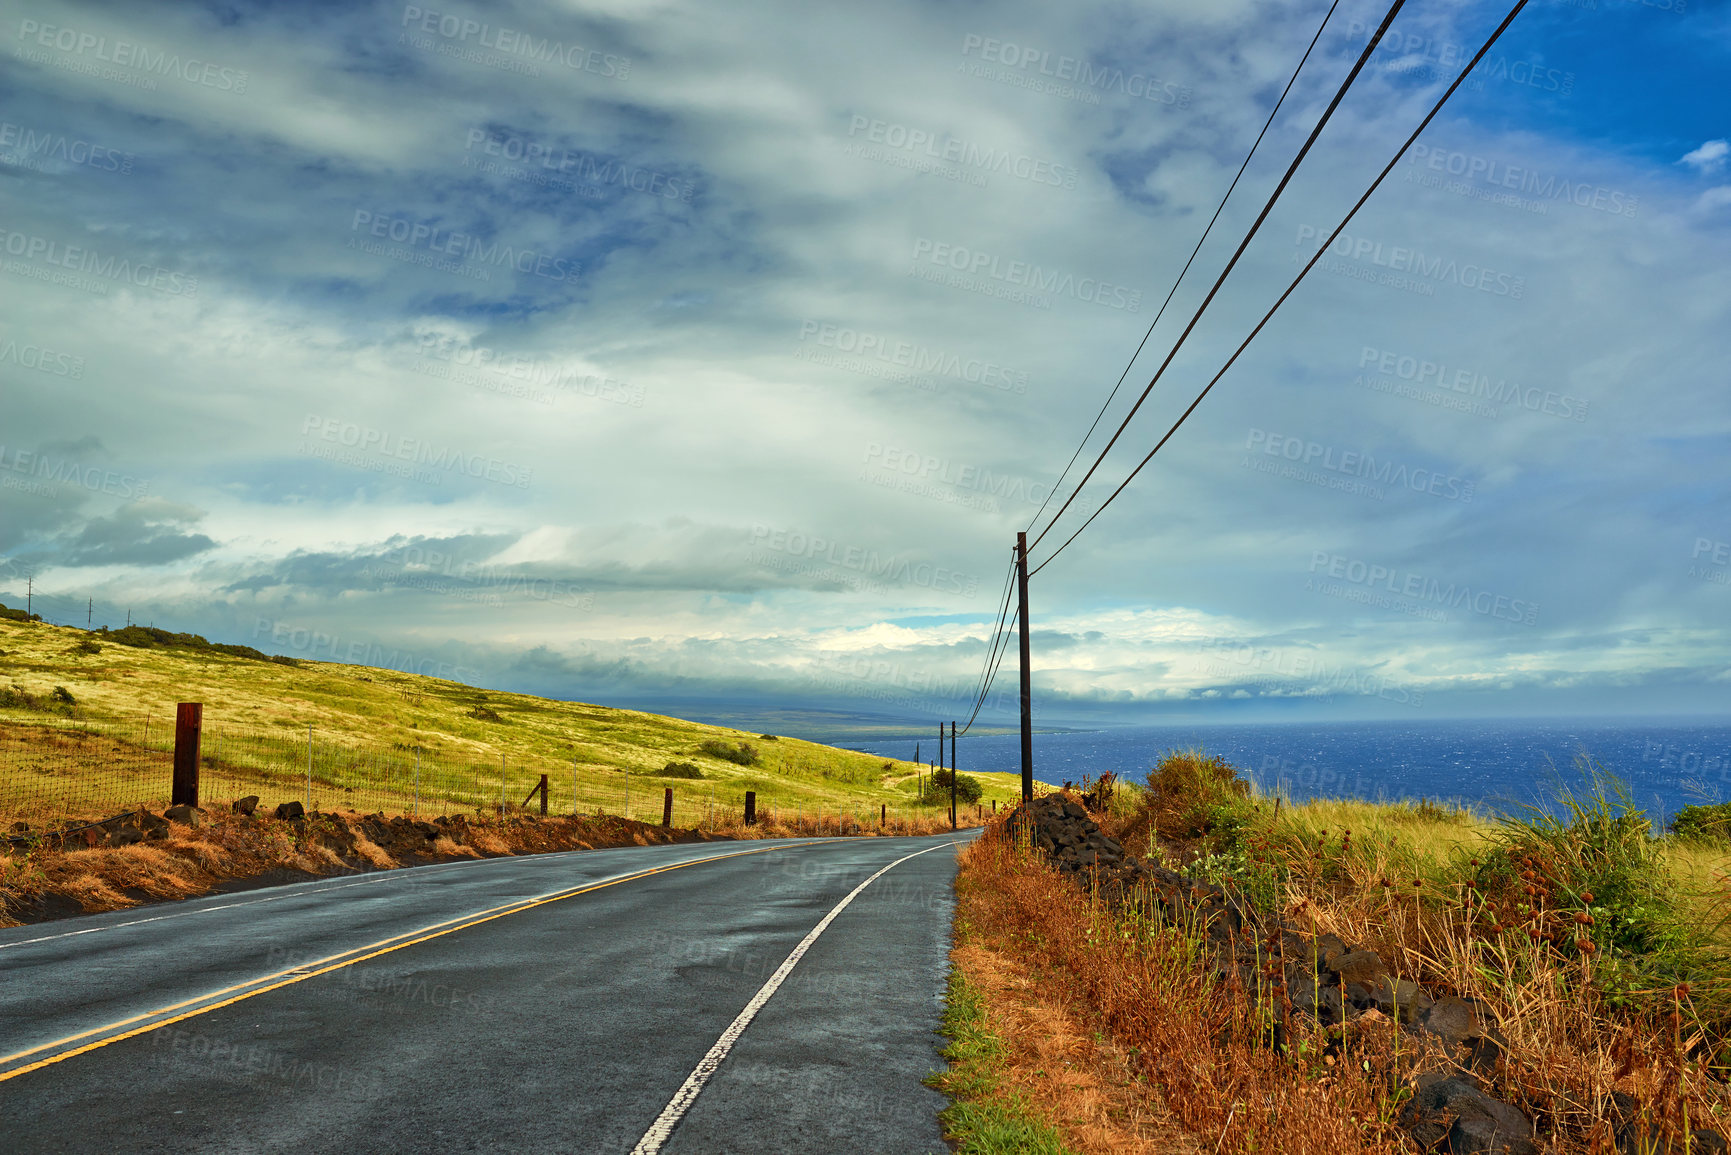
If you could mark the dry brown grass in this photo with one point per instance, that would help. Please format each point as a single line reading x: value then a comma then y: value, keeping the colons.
x: 1200, y: 1046
x: 1076, y: 1079
x: 192, y: 860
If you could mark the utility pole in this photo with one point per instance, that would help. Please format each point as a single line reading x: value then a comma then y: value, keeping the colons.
x: 29, y: 594
x: 1027, y: 679
x: 952, y: 775
x: 89, y: 613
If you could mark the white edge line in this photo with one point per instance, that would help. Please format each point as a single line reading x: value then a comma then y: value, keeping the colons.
x: 662, y: 1129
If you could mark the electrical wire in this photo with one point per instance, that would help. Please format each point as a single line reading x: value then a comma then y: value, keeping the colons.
x: 1131, y: 364
x: 1321, y: 250
x: 1358, y: 66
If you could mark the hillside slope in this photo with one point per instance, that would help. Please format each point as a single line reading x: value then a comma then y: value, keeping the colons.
x: 116, y: 687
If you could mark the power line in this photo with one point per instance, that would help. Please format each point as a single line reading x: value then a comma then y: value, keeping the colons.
x: 993, y: 655
x: 992, y: 675
x: 984, y: 685
x: 1358, y: 66
x: 1321, y: 250
x: 1131, y: 364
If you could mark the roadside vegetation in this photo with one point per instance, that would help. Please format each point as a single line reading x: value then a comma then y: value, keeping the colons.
x: 1584, y: 953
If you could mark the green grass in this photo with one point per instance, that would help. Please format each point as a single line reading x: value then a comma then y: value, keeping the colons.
x: 256, y: 714
x: 982, y: 1119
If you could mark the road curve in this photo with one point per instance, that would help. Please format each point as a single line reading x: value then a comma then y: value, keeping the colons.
x: 552, y: 1002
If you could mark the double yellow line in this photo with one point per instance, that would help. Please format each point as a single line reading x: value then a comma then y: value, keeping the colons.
x: 212, y: 1000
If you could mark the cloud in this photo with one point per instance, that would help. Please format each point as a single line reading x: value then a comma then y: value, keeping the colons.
x: 754, y: 438
x: 1709, y: 158
x: 150, y: 532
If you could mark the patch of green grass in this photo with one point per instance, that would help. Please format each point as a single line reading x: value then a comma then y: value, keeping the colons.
x: 257, y: 713
x: 981, y: 1118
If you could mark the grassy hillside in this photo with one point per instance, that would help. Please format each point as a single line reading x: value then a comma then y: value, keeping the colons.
x: 62, y: 677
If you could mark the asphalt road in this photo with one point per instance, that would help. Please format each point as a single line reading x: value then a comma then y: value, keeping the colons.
x: 477, y: 1006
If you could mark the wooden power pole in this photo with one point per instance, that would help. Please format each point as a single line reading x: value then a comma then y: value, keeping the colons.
x: 1027, y: 680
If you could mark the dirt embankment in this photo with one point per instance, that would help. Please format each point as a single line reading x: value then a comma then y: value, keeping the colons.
x: 142, y: 857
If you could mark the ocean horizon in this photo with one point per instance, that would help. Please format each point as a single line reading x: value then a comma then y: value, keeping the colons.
x: 1490, y: 764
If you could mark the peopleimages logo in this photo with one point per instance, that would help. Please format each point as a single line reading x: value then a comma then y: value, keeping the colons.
x: 1436, y: 375
x: 1521, y: 180
x: 1022, y: 275
x: 864, y: 561
x: 917, y: 359
x: 947, y: 149
x: 393, y: 447
x: 1357, y: 464
x: 1403, y: 259
x: 79, y: 259
x: 133, y: 56
x: 1416, y: 586
x: 24, y: 147
x: 597, y: 171
x: 1074, y: 75
x: 462, y: 246
x: 41, y: 359
x: 459, y: 31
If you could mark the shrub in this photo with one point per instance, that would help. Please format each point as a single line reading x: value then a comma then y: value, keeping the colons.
x: 680, y: 770
x: 1195, y: 795
x: 485, y: 713
x: 16, y: 697
x: 1703, y: 823
x: 18, y: 615
x: 967, y: 789
x: 1599, y: 844
x: 744, y: 754
x: 769, y: 737
x: 149, y: 638
x: 85, y: 646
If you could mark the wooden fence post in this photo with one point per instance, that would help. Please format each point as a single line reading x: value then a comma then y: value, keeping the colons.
x: 188, y: 728
x: 667, y: 808
x: 751, y: 807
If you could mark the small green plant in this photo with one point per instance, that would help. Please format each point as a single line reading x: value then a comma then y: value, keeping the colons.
x: 484, y: 713
x: 64, y: 696
x: 85, y: 646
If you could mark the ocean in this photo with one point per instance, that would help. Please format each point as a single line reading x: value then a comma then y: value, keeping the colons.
x: 1496, y: 765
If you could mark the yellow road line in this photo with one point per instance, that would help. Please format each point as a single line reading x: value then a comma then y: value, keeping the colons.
x: 474, y: 918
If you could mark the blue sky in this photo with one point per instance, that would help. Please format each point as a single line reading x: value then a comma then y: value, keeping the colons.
x: 667, y: 352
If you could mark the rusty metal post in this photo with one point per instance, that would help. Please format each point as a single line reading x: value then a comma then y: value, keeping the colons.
x: 883, y: 814
x: 667, y: 808
x: 543, y: 795
x: 751, y: 808
x: 188, y: 729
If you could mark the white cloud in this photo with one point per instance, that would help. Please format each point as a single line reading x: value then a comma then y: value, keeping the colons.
x: 1709, y: 158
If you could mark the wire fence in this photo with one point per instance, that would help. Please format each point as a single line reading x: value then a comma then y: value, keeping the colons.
x: 69, y: 771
